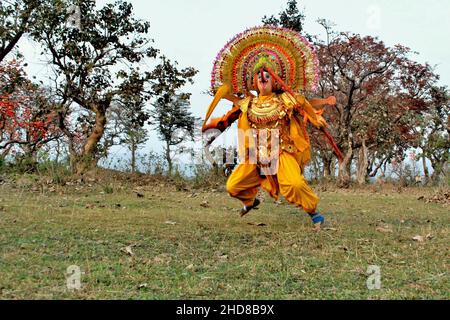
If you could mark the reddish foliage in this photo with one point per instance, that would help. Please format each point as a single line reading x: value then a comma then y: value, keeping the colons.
x: 25, y: 118
x: 379, y: 90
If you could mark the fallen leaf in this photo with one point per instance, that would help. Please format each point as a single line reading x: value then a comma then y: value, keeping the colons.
x: 429, y: 236
x: 190, y: 267
x: 384, y: 230
x: 205, y: 204
x: 128, y: 250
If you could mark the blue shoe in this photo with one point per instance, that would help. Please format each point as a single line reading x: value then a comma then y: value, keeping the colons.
x: 317, y: 219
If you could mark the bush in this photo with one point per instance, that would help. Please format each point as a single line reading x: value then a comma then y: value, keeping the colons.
x: 59, y: 172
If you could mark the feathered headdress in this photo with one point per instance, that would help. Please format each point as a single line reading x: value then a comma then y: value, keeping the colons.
x: 285, y: 51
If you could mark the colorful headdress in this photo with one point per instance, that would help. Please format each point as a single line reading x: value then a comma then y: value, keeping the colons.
x: 285, y: 51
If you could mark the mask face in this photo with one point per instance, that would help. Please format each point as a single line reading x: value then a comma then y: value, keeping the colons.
x: 263, y: 76
x: 264, y: 83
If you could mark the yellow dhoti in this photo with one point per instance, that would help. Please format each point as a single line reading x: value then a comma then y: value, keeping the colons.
x: 288, y: 181
x: 245, y: 182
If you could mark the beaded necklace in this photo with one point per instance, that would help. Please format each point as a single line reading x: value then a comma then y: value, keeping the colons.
x: 266, y: 109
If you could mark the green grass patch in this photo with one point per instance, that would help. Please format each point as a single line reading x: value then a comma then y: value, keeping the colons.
x: 171, y: 245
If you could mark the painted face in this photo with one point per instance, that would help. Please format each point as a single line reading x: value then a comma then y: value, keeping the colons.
x: 264, y: 82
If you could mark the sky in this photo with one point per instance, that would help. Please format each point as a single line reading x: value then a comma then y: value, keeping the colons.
x: 192, y: 32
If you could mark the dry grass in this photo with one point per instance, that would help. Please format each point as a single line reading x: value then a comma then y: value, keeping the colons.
x: 169, y: 244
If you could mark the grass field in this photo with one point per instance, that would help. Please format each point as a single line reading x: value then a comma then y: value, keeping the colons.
x: 168, y: 244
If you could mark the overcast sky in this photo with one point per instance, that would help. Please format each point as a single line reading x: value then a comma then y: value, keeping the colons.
x: 193, y: 31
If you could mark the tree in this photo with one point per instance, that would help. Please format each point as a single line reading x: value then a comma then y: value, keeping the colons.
x: 134, y: 136
x: 95, y: 63
x: 380, y: 92
x: 127, y: 124
x: 400, y: 108
x: 290, y: 18
x: 171, y: 117
x: 373, y: 103
x: 16, y: 17
x: 433, y: 133
x: 27, y: 121
x: 174, y: 123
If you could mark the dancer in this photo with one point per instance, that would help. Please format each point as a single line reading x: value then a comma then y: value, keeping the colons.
x: 274, y: 145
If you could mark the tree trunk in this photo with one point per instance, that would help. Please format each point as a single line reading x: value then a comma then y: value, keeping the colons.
x: 344, y: 177
x: 363, y: 162
x: 334, y: 161
x: 6, y: 151
x: 438, y: 169
x: 327, y: 172
x: 133, y: 156
x: 73, y: 156
x: 317, y: 172
x: 29, y: 160
x: 87, y: 160
x: 168, y: 158
x: 58, y: 152
x: 426, y: 173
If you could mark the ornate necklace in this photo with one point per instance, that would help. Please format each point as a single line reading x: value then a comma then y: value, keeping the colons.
x: 264, y: 110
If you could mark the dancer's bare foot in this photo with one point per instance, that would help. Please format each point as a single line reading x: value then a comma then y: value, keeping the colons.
x: 318, y: 220
x: 317, y: 226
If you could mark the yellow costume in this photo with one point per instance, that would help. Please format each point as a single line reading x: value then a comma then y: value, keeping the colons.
x: 276, y: 62
x: 282, y: 114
